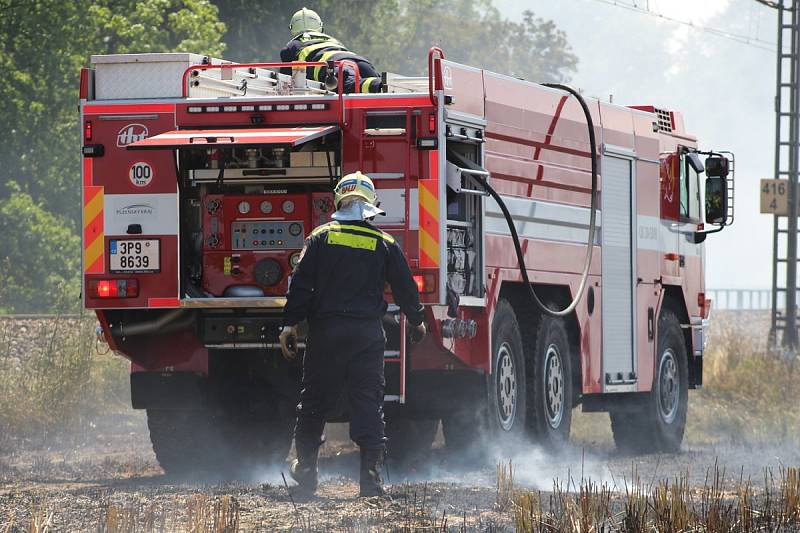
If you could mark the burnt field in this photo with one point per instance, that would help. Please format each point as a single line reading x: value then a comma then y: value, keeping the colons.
x: 74, y: 457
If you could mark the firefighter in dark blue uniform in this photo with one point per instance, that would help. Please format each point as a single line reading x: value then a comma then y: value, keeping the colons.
x: 338, y: 286
x: 309, y: 43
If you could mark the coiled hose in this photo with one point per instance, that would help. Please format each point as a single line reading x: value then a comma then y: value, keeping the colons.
x: 510, y: 221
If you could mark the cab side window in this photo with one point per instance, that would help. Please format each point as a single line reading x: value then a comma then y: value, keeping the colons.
x: 689, y: 191
x: 684, y: 188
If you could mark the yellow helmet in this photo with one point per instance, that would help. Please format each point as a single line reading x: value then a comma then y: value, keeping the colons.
x: 355, y: 184
x: 305, y: 20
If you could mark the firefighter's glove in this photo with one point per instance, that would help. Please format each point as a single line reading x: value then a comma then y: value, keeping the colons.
x: 288, y: 340
x: 418, y: 332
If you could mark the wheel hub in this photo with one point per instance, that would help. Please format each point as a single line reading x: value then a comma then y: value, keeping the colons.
x: 506, y: 386
x: 668, y: 386
x: 554, y: 386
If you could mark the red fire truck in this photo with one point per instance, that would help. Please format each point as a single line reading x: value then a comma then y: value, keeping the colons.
x: 557, y: 243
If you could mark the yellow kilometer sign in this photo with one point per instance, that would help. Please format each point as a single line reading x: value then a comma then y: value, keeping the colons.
x: 775, y: 197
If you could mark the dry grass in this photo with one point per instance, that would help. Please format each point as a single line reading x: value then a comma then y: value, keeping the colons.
x: 54, y: 381
x: 668, y: 507
x: 199, y: 513
x: 749, y: 395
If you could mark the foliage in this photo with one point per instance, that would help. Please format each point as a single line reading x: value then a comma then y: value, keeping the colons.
x: 396, y: 34
x: 40, y: 257
x: 43, y: 45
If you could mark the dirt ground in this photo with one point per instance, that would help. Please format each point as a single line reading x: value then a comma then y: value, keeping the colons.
x: 115, y: 473
x: 107, y: 479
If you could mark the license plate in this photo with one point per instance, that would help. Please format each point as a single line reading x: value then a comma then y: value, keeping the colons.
x: 134, y: 255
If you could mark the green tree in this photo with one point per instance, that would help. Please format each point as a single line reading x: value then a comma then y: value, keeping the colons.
x: 43, y: 45
x: 396, y: 34
x: 38, y: 266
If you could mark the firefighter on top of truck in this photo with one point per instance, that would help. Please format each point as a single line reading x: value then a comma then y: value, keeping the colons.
x: 309, y: 43
x: 338, y: 286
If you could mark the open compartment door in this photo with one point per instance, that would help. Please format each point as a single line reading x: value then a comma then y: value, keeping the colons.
x: 293, y: 136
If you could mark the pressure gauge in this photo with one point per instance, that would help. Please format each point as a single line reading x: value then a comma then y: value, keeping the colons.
x: 266, y: 207
x: 244, y: 207
x: 295, y: 229
x: 294, y: 259
x: 288, y: 207
x: 268, y: 272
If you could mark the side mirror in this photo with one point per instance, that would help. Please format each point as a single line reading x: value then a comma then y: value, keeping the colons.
x: 717, y: 166
x: 716, y: 200
x: 695, y: 162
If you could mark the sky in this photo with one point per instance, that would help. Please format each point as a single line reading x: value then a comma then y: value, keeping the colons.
x: 724, y: 87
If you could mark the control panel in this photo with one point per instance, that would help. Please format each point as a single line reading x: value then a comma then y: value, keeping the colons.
x: 251, y: 243
x: 267, y: 235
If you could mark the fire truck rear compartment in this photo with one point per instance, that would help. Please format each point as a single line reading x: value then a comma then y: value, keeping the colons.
x: 245, y: 212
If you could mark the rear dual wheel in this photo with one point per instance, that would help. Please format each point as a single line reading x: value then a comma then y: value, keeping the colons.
x: 551, y: 398
x: 213, y: 443
x: 409, y: 441
x: 529, y: 391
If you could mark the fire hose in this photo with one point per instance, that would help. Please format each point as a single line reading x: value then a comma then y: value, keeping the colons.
x: 510, y: 221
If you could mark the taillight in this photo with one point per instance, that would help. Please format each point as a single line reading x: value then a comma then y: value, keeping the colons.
x: 87, y: 130
x: 704, y: 304
x: 426, y: 283
x: 114, y: 288
x: 432, y: 123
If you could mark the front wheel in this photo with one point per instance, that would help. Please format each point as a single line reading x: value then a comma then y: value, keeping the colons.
x: 658, y: 426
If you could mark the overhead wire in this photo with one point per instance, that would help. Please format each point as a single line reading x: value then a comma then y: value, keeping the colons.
x: 743, y: 39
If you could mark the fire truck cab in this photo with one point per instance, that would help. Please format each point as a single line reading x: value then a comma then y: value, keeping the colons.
x: 202, y: 178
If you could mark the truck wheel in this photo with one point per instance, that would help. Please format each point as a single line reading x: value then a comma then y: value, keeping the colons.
x: 183, y: 440
x: 409, y: 441
x: 253, y: 442
x: 507, y: 388
x: 464, y: 436
x: 659, y: 425
x: 550, y: 398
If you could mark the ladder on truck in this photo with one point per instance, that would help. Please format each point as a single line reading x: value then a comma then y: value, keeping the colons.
x: 246, y: 81
x: 252, y: 81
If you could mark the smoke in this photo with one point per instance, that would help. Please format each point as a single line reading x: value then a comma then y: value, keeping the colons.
x: 536, y: 468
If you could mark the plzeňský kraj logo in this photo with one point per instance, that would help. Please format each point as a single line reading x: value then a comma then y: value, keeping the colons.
x: 136, y: 209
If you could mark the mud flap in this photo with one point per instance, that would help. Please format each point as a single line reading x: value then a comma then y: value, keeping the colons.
x: 168, y: 390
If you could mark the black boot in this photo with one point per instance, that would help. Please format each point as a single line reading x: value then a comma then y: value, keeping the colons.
x: 304, y: 469
x: 371, y: 465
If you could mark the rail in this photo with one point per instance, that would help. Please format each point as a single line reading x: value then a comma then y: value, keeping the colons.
x: 730, y: 299
x: 434, y: 74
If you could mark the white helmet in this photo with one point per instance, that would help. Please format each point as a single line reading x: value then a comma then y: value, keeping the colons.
x: 305, y: 20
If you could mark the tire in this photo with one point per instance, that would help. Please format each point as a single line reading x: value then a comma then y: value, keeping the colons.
x: 184, y: 441
x: 658, y: 426
x: 550, y: 395
x: 196, y: 442
x: 252, y: 442
x: 464, y: 435
x: 409, y: 441
x: 507, y: 388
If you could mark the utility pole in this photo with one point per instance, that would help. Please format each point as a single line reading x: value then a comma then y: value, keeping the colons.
x: 787, y: 155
